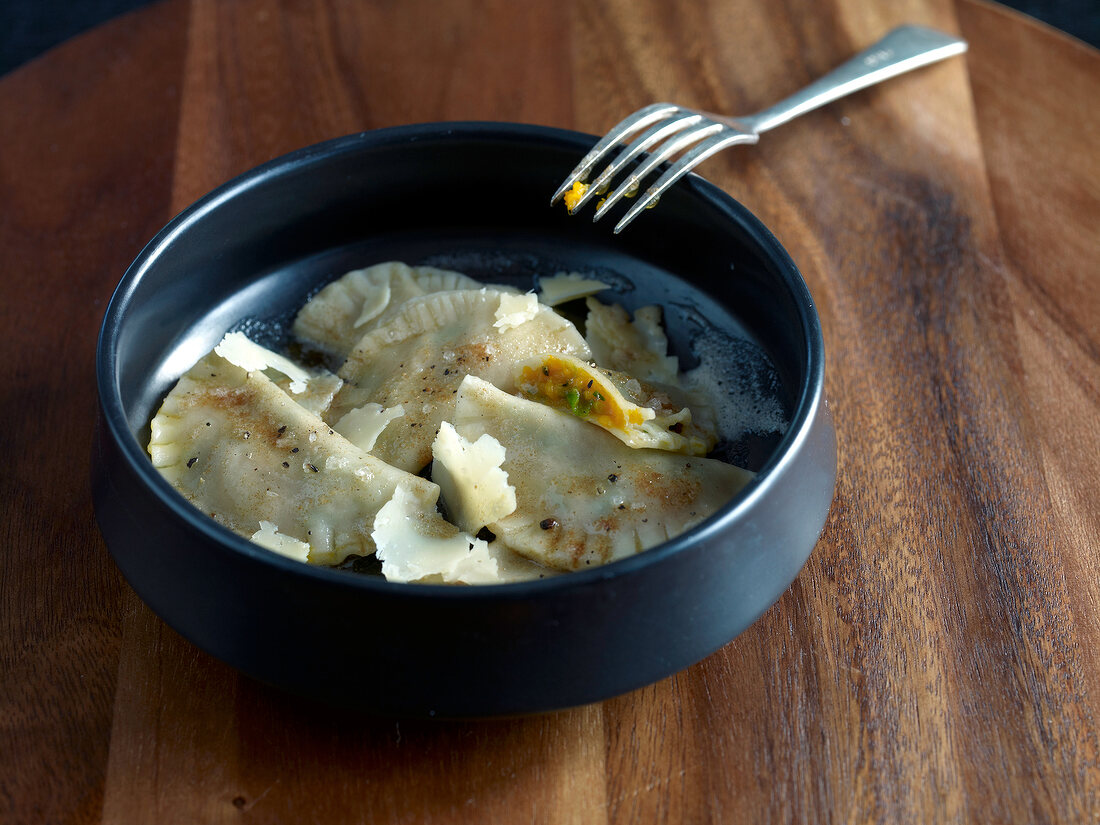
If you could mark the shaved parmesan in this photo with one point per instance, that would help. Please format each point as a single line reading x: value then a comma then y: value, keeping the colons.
x: 515, y: 310
x: 475, y: 489
x: 237, y: 349
x: 363, y: 425
x: 269, y: 536
x: 374, y: 302
x: 568, y: 287
x: 319, y: 391
x: 417, y: 546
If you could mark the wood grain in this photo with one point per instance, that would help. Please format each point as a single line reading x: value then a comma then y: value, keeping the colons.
x: 85, y: 181
x: 1047, y: 188
x: 937, y: 659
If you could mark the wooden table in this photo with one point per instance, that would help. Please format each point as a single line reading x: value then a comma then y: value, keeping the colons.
x: 938, y: 659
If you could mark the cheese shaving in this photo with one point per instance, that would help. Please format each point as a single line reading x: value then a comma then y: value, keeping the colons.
x: 374, y: 302
x: 268, y: 536
x: 568, y: 286
x: 237, y: 349
x: 515, y: 310
x: 474, y: 488
x: 362, y: 426
x: 416, y: 546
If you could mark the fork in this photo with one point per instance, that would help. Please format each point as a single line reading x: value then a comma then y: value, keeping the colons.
x: 901, y: 50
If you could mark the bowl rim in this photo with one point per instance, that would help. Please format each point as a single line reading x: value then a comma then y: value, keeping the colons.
x: 113, y: 415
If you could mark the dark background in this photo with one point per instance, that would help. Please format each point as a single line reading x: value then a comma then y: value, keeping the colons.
x: 30, y: 27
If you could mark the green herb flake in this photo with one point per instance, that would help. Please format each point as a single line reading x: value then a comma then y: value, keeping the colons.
x: 572, y: 398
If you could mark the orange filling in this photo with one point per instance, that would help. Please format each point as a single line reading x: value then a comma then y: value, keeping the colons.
x: 562, y: 385
x: 574, y: 195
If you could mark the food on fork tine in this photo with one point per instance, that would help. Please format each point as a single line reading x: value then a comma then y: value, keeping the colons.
x: 901, y: 50
x: 574, y: 195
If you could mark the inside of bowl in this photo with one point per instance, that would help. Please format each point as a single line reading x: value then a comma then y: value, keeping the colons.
x: 247, y: 257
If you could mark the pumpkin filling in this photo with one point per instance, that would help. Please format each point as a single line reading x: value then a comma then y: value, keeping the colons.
x: 575, y: 389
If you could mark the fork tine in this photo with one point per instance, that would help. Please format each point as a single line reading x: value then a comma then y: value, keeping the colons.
x: 627, y: 126
x: 655, y: 134
x: 670, y: 148
x: 689, y: 161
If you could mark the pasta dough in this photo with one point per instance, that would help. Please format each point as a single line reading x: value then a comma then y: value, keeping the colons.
x: 243, y: 451
x: 600, y: 459
x: 418, y: 359
x: 638, y: 347
x: 345, y: 310
x: 636, y: 415
x: 583, y: 497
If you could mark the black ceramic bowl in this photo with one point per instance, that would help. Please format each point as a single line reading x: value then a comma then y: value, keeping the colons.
x: 473, y: 197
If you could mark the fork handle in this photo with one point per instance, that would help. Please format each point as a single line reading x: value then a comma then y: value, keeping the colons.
x: 902, y: 50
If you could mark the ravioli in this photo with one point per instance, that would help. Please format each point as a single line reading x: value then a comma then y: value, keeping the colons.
x: 638, y: 347
x: 599, y: 459
x: 583, y: 497
x: 244, y: 452
x: 418, y: 359
x: 618, y: 403
x: 349, y: 307
x: 313, y: 389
